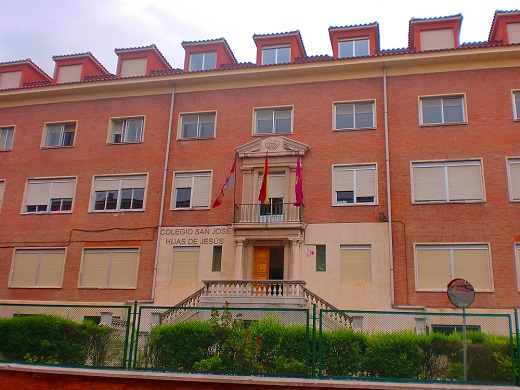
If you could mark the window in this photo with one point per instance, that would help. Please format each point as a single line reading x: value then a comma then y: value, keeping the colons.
x: 354, y: 116
x: 69, y: 73
x: 276, y: 55
x: 355, y: 263
x: 273, y: 212
x: 2, y: 185
x: 59, y: 134
x: 198, y: 125
x: 126, y: 130
x: 450, y: 329
x: 354, y: 48
x: 185, y: 263
x: 216, y: 263
x: 109, y: 268
x: 442, y: 110
x: 10, y: 79
x: 354, y: 184
x: 6, y: 138
x: 191, y: 190
x: 447, y: 181
x: 517, y: 253
x: 49, y: 195
x: 119, y: 193
x: 321, y: 258
x: 38, y: 268
x: 131, y: 67
x: 516, y: 105
x: 437, y: 265
x: 277, y: 121
x: 203, y: 61
x: 513, y: 170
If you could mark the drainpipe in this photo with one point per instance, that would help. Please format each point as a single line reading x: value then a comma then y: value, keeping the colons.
x: 163, y: 192
x: 163, y: 195
x: 389, y: 206
x: 388, y: 197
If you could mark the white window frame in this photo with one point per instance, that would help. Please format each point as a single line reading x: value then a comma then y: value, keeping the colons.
x: 451, y: 247
x: 276, y: 50
x: 111, y: 251
x: 443, y: 106
x: 354, y: 42
x: 47, y: 207
x: 445, y: 165
x: 274, y: 119
x: 205, y: 66
x: 513, y: 177
x: 515, y: 97
x: 63, y: 128
x: 354, y: 168
x: 39, y: 251
x: 184, y: 116
x: 355, y: 106
x: 117, y: 179
x: 125, y: 134
x: 185, y: 175
x: 6, y: 138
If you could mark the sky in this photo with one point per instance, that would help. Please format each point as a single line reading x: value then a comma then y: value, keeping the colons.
x: 40, y: 29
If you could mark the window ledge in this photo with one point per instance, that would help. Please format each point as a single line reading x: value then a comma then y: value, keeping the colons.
x: 57, y: 147
x: 353, y: 204
x: 190, y: 208
x: 195, y: 138
x: 449, y: 202
x: 41, y: 287
x: 125, y: 143
x: 442, y: 124
x: 116, y: 211
x: 48, y: 212
x: 106, y: 288
x: 353, y: 129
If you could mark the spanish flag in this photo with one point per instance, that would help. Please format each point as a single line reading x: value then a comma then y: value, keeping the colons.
x: 264, y: 193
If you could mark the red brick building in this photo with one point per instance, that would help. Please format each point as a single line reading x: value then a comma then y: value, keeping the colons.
x: 410, y: 162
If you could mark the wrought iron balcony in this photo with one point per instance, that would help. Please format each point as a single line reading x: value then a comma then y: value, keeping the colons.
x: 273, y: 213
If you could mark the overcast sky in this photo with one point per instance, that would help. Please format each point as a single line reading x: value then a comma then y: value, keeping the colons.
x: 39, y: 29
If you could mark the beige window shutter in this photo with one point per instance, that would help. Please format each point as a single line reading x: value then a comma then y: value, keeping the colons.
x: 355, y: 264
x: 25, y: 268
x: 343, y: 179
x: 69, y: 73
x: 94, y: 270
x: 428, y: 183
x: 123, y: 268
x: 133, y: 67
x: 201, y: 191
x: 51, y: 268
x: 365, y: 182
x: 38, y: 192
x: 514, y: 177
x: 185, y: 264
x: 473, y: 265
x: 433, y: 268
x: 465, y: 182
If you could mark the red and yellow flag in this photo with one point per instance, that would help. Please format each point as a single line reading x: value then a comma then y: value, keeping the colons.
x: 298, y: 188
x: 264, y: 193
x: 229, y: 183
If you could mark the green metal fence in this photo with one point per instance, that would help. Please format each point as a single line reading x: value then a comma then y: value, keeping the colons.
x: 418, y: 347
x: 339, y: 344
x: 66, y: 335
x: 223, y: 340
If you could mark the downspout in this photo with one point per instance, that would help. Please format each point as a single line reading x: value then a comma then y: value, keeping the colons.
x: 163, y: 196
x: 388, y: 197
x: 389, y: 206
x: 163, y: 191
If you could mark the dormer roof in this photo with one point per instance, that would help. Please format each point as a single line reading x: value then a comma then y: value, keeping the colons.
x: 77, y: 67
x: 17, y: 74
x: 224, y: 55
x: 290, y: 39
x: 370, y: 31
x: 140, y: 61
x: 434, y: 33
x: 506, y: 27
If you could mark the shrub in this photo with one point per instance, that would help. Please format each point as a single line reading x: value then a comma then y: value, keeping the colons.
x: 343, y: 353
x: 49, y: 339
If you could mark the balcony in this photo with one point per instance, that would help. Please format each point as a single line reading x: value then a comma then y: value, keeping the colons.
x: 273, y: 213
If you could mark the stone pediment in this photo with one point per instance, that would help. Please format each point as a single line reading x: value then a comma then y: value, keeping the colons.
x: 274, y: 146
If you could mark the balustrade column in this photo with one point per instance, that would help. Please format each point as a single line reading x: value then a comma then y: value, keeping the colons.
x: 294, y: 269
x: 239, y: 259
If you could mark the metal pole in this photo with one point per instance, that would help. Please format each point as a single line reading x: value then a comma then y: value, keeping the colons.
x: 313, y: 366
x: 464, y: 346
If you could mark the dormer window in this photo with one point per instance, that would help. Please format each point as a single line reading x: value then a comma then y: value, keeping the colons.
x: 358, y: 47
x: 203, y: 61
x: 513, y: 32
x: 437, y: 39
x: 276, y: 55
x: 10, y: 80
x: 133, y: 67
x: 69, y: 73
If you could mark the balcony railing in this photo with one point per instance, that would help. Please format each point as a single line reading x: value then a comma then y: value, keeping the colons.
x: 247, y: 288
x: 273, y: 213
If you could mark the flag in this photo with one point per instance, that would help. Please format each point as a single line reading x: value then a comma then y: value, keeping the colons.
x: 264, y: 194
x: 229, y: 183
x: 298, y: 188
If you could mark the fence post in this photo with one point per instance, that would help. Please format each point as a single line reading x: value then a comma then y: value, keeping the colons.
x: 517, y: 333
x: 313, y: 366
x: 128, y: 324
x: 131, y: 349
